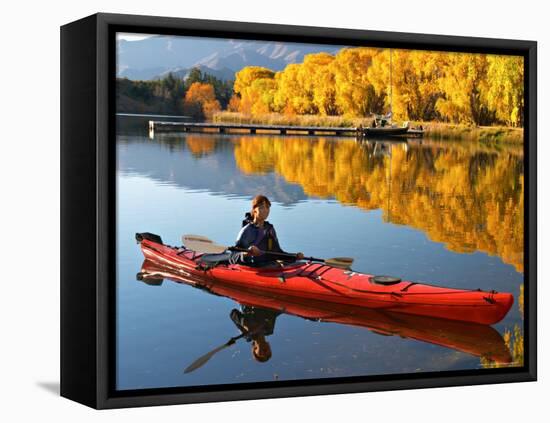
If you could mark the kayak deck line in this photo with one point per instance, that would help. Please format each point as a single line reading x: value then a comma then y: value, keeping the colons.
x: 319, y: 277
x: 397, y: 293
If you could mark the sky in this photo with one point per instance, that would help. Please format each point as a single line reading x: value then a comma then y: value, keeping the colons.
x: 132, y: 37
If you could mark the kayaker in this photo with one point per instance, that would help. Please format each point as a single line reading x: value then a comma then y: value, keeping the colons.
x: 256, y: 323
x: 258, y: 235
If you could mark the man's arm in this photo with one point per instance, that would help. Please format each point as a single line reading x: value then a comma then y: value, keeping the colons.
x: 244, y: 238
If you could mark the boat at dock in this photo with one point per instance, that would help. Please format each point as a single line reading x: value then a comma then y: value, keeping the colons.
x: 392, y: 130
x: 383, y: 127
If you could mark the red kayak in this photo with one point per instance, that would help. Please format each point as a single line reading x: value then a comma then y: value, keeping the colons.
x: 479, y: 340
x: 321, y: 282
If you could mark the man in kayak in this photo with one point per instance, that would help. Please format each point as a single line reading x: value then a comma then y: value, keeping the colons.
x: 259, y: 236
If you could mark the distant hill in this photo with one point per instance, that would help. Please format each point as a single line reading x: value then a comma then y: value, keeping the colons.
x: 153, y: 57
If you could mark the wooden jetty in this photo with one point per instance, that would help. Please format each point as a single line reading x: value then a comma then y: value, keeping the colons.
x: 159, y: 126
x: 163, y: 126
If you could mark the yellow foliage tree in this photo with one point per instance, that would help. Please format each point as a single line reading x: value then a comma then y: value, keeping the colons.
x: 255, y: 86
x: 200, y: 100
x: 506, y: 92
x: 261, y: 93
x: 234, y: 103
x: 464, y: 85
x: 414, y: 78
x: 319, y: 82
x: 292, y: 96
x: 425, y: 85
x: 355, y: 94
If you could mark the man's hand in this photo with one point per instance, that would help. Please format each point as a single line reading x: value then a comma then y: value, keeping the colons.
x: 254, y: 251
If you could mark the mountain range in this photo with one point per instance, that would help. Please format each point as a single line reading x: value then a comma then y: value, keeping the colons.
x: 155, y: 57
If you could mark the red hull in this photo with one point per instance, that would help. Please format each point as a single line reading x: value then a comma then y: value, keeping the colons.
x: 320, y: 282
x: 479, y: 340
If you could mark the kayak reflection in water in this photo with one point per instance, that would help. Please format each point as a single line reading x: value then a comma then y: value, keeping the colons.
x: 258, y: 311
x: 256, y: 323
x: 259, y: 236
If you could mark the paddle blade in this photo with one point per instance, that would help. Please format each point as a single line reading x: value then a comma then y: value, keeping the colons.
x: 347, y: 260
x: 201, y: 238
x: 202, y: 360
x: 201, y: 244
x: 340, y: 262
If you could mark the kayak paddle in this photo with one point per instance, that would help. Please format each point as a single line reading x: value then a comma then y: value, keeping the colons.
x: 202, y: 244
x: 201, y: 361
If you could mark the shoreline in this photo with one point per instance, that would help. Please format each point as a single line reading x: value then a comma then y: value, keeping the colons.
x: 432, y: 130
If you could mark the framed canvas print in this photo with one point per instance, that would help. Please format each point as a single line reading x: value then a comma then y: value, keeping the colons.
x: 255, y: 211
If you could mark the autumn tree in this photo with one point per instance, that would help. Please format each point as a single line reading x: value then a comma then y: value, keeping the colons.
x: 416, y: 85
x: 200, y: 101
x: 234, y: 103
x: 255, y: 87
x: 355, y: 95
x: 506, y: 92
x: 464, y: 85
x: 319, y: 83
x: 291, y: 96
x: 223, y: 90
x: 414, y: 82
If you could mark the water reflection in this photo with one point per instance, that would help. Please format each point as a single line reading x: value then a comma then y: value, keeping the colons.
x: 258, y: 312
x: 513, y: 338
x: 469, y: 196
x: 382, y: 203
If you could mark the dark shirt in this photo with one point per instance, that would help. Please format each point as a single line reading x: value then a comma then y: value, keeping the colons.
x: 264, y: 238
x: 254, y: 321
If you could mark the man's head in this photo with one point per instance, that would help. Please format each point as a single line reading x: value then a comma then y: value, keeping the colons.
x: 260, y: 207
x: 261, y: 350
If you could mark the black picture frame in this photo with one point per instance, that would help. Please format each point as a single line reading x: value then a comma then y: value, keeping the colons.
x: 88, y: 209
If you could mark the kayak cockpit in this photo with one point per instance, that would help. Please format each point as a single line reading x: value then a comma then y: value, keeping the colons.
x: 215, y: 259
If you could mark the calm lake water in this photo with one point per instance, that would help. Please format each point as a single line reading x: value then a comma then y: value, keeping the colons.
x: 447, y: 213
